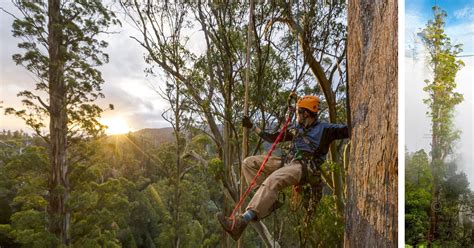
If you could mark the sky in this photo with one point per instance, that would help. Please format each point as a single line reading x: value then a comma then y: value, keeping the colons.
x: 460, y: 28
x: 136, y: 104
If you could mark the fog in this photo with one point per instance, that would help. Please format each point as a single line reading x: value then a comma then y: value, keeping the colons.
x: 417, y: 124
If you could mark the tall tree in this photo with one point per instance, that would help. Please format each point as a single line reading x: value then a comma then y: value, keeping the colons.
x: 176, y: 116
x: 372, y: 178
x: 62, y: 50
x: 441, y: 101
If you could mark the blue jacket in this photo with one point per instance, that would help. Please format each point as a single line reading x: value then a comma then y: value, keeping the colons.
x: 315, y: 139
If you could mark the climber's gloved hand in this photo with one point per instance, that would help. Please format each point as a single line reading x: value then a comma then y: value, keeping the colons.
x: 246, y: 122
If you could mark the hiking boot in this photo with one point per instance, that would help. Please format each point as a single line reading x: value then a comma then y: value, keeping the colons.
x: 238, y: 227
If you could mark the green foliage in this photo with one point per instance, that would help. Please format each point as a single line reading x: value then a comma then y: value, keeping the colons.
x: 330, y: 166
x: 455, y: 228
x: 216, y: 168
x: 309, y: 224
x: 109, y: 207
x: 441, y: 89
x: 28, y: 229
x: 454, y: 203
x: 99, y: 212
x: 327, y: 226
x: 24, y: 186
x: 418, y: 183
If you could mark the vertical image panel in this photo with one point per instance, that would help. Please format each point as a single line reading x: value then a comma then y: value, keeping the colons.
x: 372, y: 178
x: 439, y: 173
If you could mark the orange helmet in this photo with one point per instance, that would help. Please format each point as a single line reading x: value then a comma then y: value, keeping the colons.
x: 310, y: 103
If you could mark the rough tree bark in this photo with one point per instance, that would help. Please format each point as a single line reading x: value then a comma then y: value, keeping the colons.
x: 58, y: 183
x: 371, y: 207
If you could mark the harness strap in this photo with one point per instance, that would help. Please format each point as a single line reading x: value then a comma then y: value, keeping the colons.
x: 311, y: 167
x: 311, y: 175
x: 304, y: 174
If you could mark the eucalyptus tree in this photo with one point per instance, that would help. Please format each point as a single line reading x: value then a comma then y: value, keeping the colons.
x: 61, y: 48
x: 179, y: 116
x: 441, y: 102
x: 212, y: 75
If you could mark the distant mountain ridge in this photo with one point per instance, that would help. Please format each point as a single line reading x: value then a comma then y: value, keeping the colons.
x: 155, y: 136
x: 161, y: 135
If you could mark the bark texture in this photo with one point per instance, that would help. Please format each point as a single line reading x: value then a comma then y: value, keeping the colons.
x: 58, y: 181
x: 372, y: 179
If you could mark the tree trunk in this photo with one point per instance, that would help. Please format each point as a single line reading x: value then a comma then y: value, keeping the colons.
x: 433, y: 212
x: 436, y: 159
x: 58, y: 182
x: 372, y: 179
x: 245, y: 135
x: 177, y: 130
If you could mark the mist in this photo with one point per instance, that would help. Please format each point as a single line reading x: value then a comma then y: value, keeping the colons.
x: 417, y: 123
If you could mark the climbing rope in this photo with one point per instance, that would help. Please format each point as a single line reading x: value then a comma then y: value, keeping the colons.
x: 260, y: 170
x: 262, y: 166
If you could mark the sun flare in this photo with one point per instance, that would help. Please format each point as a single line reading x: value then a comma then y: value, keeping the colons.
x: 116, y: 125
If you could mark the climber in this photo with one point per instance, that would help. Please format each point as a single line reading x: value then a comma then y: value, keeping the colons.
x: 311, y: 139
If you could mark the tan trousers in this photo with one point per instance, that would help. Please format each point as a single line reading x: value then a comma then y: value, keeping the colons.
x: 271, y: 181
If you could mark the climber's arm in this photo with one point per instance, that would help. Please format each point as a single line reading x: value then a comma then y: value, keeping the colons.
x: 271, y: 137
x: 337, y: 131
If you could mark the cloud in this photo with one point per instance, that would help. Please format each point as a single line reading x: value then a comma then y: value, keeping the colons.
x: 135, y: 102
x: 464, y: 120
x: 126, y: 85
x: 418, y: 125
x: 146, y: 120
x: 460, y: 34
x: 466, y: 13
x: 414, y: 23
x: 460, y: 31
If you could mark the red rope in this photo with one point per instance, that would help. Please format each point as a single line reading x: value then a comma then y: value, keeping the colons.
x: 259, y: 172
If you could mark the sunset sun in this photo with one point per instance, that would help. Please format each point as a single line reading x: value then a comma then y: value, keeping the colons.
x: 116, y: 125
